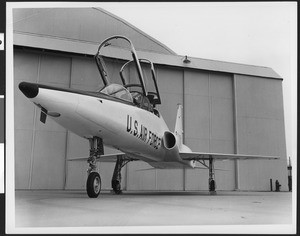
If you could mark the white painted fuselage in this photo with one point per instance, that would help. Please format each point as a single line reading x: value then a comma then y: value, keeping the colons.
x: 123, y: 126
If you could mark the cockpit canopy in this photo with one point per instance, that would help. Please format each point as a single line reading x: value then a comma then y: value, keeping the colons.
x: 136, y: 82
x: 118, y: 91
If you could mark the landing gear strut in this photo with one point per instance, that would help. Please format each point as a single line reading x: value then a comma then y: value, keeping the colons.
x: 93, y: 183
x: 211, y: 179
x: 117, y: 177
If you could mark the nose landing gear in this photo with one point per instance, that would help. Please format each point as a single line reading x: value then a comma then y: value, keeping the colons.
x: 93, y: 183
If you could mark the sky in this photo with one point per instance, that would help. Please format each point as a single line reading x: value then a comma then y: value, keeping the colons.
x: 253, y: 33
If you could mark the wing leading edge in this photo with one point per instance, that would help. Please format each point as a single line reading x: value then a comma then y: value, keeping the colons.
x: 220, y: 156
x: 102, y: 158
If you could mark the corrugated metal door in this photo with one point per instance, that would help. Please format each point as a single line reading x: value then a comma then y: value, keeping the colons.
x: 40, y: 148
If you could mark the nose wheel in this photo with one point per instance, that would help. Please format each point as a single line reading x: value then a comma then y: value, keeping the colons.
x: 93, y: 185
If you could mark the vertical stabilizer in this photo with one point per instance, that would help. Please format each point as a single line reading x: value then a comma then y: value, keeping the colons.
x: 179, y: 130
x: 179, y: 126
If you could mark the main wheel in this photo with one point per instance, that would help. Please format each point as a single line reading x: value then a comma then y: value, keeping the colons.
x: 93, y: 185
x: 212, y: 185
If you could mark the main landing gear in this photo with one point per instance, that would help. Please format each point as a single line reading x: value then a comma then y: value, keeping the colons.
x: 117, y: 177
x: 211, y: 175
x: 211, y: 179
x: 93, y: 183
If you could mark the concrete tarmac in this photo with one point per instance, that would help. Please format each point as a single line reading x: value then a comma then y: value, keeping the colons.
x: 75, y: 209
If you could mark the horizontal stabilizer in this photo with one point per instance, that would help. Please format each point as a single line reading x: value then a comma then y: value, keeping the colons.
x: 206, y: 168
x: 220, y: 156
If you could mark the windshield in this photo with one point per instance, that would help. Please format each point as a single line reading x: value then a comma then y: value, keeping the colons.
x: 130, y: 80
x: 118, y: 91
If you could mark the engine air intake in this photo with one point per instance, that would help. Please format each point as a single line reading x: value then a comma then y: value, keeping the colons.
x: 169, y: 140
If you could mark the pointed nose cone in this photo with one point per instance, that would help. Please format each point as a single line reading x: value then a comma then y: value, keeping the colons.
x: 30, y: 90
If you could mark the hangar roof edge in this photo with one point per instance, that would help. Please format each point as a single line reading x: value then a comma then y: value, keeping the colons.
x: 90, y: 48
x: 93, y: 24
x: 136, y: 29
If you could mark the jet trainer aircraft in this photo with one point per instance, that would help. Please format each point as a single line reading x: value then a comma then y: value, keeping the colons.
x: 123, y: 116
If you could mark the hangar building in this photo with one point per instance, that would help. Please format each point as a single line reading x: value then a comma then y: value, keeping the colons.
x: 228, y: 107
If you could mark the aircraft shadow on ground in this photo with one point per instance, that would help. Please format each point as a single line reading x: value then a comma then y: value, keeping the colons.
x: 173, y: 193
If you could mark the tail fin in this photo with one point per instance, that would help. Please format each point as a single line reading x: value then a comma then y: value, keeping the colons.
x: 179, y: 130
x: 179, y: 126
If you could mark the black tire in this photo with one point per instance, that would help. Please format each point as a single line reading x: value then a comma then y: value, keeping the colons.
x: 117, y: 187
x: 93, y: 185
x: 118, y: 191
x: 212, y: 185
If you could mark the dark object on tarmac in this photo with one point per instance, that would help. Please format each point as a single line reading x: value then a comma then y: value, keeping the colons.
x: 277, y: 186
x: 290, y: 175
x: 271, y: 185
x: 290, y: 183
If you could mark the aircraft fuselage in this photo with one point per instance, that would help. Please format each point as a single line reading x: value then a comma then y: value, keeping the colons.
x: 121, y: 125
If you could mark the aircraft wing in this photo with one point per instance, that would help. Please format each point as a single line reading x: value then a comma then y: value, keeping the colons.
x: 103, y: 158
x: 221, y: 156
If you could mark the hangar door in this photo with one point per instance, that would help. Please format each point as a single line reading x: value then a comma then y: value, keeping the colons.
x: 208, y: 122
x: 39, y: 149
x: 170, y: 85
